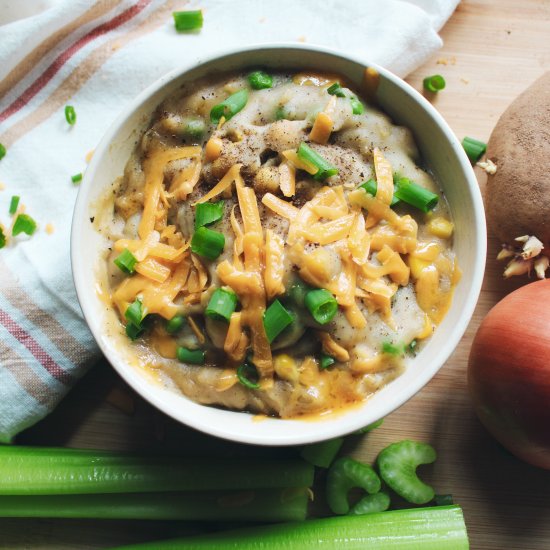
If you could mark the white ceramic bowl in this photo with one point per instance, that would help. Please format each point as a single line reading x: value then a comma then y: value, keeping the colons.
x: 440, y: 149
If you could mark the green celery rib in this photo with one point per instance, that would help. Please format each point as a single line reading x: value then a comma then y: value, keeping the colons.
x: 265, y: 505
x: 436, y: 528
x: 32, y: 471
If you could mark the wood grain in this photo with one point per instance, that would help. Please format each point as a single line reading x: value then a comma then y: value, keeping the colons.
x: 493, y: 51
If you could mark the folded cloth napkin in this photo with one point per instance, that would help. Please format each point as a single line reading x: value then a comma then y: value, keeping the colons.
x: 96, y: 56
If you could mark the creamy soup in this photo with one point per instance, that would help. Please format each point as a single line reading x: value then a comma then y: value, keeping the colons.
x: 276, y: 245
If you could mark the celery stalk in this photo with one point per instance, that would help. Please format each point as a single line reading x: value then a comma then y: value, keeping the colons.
x: 436, y: 528
x: 36, y: 471
x: 274, y: 505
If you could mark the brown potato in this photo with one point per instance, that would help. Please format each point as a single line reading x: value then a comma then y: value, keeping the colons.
x: 518, y: 195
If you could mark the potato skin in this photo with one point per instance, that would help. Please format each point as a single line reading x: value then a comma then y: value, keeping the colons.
x: 517, y: 197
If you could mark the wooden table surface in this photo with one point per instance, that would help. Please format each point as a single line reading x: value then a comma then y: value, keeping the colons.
x: 493, y: 50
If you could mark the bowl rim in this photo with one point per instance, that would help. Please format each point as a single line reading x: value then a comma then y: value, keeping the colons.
x: 333, y: 429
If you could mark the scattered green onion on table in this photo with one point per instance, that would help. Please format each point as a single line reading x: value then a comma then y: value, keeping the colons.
x: 14, y: 203
x: 3, y: 151
x: 190, y: 20
x: 434, y: 83
x: 77, y: 178
x: 474, y: 148
x: 70, y: 115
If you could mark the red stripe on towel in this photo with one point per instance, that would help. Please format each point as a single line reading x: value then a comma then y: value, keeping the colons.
x: 58, y: 63
x: 34, y: 347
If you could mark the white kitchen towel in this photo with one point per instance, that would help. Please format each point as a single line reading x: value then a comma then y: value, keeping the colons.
x: 97, y: 56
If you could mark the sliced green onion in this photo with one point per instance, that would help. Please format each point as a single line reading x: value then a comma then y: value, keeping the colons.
x: 397, y: 464
x: 371, y: 187
x: 194, y: 128
x: 134, y: 313
x: 434, y: 528
x: 126, y: 261
x: 276, y: 319
x: 207, y: 213
x: 192, y: 356
x: 443, y: 500
x: 297, y: 292
x: 321, y: 304
x: 70, y: 114
x: 412, y: 346
x: 2, y: 238
x: 271, y: 505
x: 280, y: 113
x: 371, y: 504
x: 474, y: 148
x: 392, y: 349
x: 133, y: 332
x: 23, y: 224
x: 415, y: 195
x: 336, y: 89
x: 357, y: 106
x: 326, y: 361
x: 370, y: 427
x: 207, y: 243
x: 175, y: 324
x: 190, y: 20
x: 221, y: 305
x: 2, y: 151
x: 323, y: 453
x: 345, y: 474
x: 434, y: 83
x: 229, y: 107
x: 260, y: 80
x: 14, y: 203
x: 325, y: 169
x: 62, y: 471
x: 244, y: 373
x: 77, y: 178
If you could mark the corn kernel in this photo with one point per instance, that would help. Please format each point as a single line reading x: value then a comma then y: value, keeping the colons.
x: 440, y: 227
x: 213, y: 149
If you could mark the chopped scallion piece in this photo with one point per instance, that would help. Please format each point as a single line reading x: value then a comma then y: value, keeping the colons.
x: 244, y: 373
x: 132, y: 331
x: 325, y: 169
x: 415, y: 195
x: 336, y: 89
x: 276, y: 319
x: 175, y: 324
x: 207, y: 243
x: 14, y: 203
x: 321, y: 304
x: 190, y: 20
x: 371, y: 187
x: 280, y: 113
x: 23, y: 224
x: 326, y: 361
x: 126, y: 261
x: 207, y: 213
x: 259, y: 80
x: 392, y: 349
x: 77, y: 178
x: 229, y: 107
x: 2, y: 151
x: 134, y: 313
x: 70, y: 114
x: 412, y: 346
x: 191, y: 356
x: 434, y: 83
x: 2, y: 238
x: 474, y: 148
x: 194, y: 128
x: 357, y: 106
x: 221, y: 305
